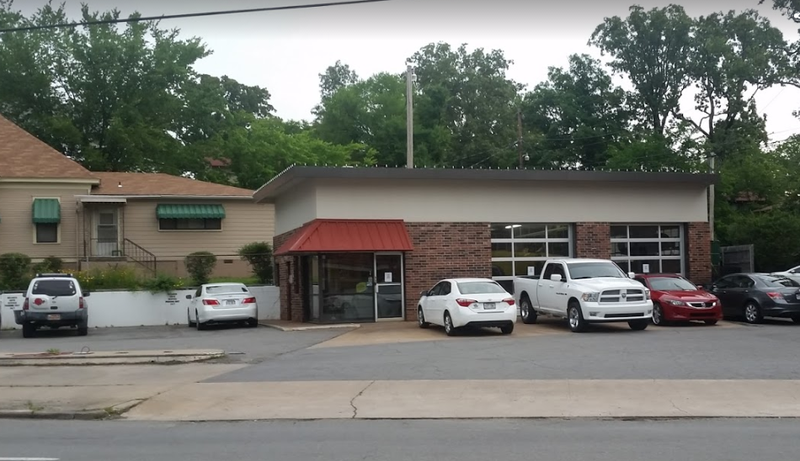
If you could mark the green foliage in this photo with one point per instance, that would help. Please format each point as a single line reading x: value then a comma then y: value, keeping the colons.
x: 259, y: 256
x: 200, y: 266
x: 50, y: 264
x: 15, y: 271
x: 773, y: 234
x: 116, y: 277
x: 162, y: 283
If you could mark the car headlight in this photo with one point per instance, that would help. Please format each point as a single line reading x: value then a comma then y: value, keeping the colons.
x: 646, y: 293
x: 590, y: 297
x: 675, y: 302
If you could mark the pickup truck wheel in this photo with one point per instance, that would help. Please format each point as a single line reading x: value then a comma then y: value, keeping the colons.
x: 638, y: 324
x: 448, y: 325
x: 576, y: 322
x: 526, y: 311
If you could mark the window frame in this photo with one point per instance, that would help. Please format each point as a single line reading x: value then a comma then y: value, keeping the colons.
x: 58, y: 224
x: 569, y: 240
x: 681, y: 240
x: 205, y: 227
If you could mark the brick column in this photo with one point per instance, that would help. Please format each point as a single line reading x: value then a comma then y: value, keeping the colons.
x: 291, y: 295
x: 593, y: 240
x: 698, y: 243
x: 444, y: 250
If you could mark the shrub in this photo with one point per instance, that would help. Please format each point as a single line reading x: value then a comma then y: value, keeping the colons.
x: 200, y: 265
x: 259, y: 256
x: 49, y: 264
x: 15, y: 271
x: 161, y: 283
x: 115, y: 277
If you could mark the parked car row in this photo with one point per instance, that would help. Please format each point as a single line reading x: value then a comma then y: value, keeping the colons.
x: 586, y: 291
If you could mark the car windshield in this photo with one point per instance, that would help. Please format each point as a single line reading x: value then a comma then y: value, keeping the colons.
x: 474, y: 288
x: 54, y: 288
x: 594, y: 270
x: 226, y: 289
x: 778, y: 282
x: 671, y: 284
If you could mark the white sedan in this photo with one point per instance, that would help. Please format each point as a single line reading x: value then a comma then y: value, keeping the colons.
x: 222, y: 303
x: 467, y: 302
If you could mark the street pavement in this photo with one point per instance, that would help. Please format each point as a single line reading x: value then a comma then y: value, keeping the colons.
x: 451, y: 440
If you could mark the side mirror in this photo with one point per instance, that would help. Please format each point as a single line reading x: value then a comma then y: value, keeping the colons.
x: 188, y: 296
x: 793, y: 271
x: 555, y: 278
x: 631, y: 275
x: 86, y: 294
x: 424, y: 293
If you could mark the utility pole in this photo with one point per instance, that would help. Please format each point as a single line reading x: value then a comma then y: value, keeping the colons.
x: 409, y: 117
x: 711, y: 197
x: 519, y: 137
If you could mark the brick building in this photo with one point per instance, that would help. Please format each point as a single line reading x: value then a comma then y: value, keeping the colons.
x: 361, y: 244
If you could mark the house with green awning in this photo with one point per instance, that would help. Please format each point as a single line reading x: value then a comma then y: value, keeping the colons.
x: 52, y: 206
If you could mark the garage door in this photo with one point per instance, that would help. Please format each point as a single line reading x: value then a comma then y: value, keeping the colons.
x: 650, y: 248
x: 518, y: 246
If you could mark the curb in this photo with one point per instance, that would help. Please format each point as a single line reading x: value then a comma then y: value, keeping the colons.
x: 91, y: 415
x: 312, y: 327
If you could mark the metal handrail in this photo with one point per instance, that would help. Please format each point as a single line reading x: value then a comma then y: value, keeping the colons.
x: 138, y: 254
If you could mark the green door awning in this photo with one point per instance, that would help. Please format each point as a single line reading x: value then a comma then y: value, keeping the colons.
x: 46, y: 211
x: 190, y: 211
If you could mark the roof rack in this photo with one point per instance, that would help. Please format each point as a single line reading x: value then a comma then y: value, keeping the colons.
x: 54, y: 274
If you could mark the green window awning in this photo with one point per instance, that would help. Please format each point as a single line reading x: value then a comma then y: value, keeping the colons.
x: 46, y: 211
x: 192, y: 211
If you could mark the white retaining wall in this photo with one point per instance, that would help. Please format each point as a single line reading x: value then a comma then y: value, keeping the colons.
x: 142, y: 308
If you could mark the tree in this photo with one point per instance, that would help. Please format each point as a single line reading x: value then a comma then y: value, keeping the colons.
x: 650, y: 48
x: 579, y: 113
x: 335, y: 78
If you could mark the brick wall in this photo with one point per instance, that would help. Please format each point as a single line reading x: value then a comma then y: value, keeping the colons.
x: 699, y: 252
x: 444, y: 250
x: 593, y: 240
x: 291, y: 296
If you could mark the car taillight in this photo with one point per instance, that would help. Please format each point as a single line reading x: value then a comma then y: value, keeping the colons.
x: 81, y: 303
x: 774, y: 295
x: 465, y: 302
x: 509, y: 301
x: 211, y: 302
x: 25, y: 305
x: 249, y: 301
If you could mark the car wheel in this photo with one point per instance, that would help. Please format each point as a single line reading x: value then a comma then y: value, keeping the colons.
x: 710, y: 322
x: 796, y: 319
x: 28, y: 330
x: 189, y: 319
x: 83, y: 330
x: 252, y: 323
x: 526, y: 311
x: 752, y: 312
x: 421, y: 319
x: 199, y: 325
x: 448, y: 325
x: 658, y: 315
x: 576, y: 322
x: 507, y: 329
x: 638, y: 325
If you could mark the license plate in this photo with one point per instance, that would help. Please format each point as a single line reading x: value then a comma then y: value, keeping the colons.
x: 489, y: 305
x: 54, y: 317
x: 230, y: 302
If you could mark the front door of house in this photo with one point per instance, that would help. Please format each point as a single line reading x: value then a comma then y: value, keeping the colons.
x: 389, y: 290
x: 107, y: 232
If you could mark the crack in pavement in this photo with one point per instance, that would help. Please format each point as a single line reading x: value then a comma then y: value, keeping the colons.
x: 352, y: 401
x: 677, y: 408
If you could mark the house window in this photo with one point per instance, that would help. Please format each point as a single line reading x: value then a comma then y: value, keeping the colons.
x: 518, y: 246
x: 190, y: 224
x: 657, y: 248
x: 47, y: 233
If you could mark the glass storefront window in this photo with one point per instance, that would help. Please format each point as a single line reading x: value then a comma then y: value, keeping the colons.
x: 515, y: 246
x: 660, y: 247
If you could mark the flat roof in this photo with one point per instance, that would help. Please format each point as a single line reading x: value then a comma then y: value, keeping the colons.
x: 296, y: 174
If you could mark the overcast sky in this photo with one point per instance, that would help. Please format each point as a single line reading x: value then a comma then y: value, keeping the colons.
x: 285, y: 51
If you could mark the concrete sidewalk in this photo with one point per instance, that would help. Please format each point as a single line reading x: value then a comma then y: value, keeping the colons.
x: 473, y: 399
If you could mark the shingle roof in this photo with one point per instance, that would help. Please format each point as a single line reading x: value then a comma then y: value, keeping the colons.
x: 162, y: 184
x: 23, y: 156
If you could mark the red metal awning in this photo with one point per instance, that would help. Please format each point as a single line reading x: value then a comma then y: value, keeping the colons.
x: 348, y: 235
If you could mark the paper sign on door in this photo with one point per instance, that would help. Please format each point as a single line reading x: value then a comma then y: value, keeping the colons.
x: 387, y: 277
x: 646, y: 268
x: 531, y: 270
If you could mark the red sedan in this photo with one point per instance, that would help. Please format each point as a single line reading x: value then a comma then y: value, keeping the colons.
x: 677, y: 299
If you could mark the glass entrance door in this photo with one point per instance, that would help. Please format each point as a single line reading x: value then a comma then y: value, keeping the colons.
x: 389, y: 296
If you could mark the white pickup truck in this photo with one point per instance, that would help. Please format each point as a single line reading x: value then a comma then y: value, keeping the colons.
x: 584, y: 291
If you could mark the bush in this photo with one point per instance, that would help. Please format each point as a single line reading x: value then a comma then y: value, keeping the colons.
x: 115, y: 277
x: 259, y: 256
x: 200, y: 265
x: 15, y: 271
x: 162, y: 283
x: 49, y: 264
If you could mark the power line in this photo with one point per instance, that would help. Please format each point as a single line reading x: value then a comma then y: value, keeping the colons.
x: 189, y: 15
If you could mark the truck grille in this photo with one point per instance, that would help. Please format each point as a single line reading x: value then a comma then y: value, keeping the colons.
x: 632, y: 295
x: 701, y: 304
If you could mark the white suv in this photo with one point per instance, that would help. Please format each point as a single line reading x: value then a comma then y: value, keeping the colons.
x: 53, y: 301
